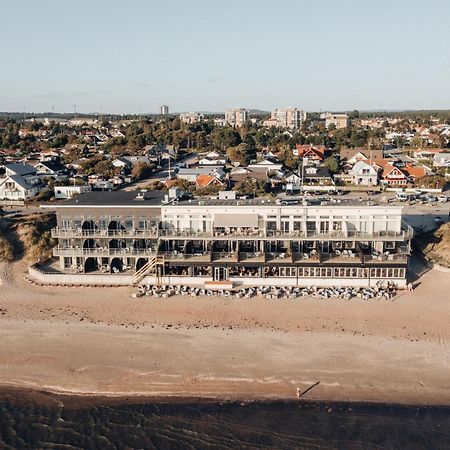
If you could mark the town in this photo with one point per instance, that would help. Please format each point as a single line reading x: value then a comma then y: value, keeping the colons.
x: 293, y: 199
x: 288, y: 152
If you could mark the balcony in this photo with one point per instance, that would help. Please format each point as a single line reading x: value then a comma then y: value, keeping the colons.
x: 201, y: 257
x: 107, y: 234
x: 279, y: 257
x: 387, y: 258
x: 251, y: 257
x: 225, y: 257
x: 341, y: 257
x: 306, y: 257
x: 101, y: 251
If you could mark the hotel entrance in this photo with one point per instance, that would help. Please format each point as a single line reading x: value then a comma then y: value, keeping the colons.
x: 220, y: 274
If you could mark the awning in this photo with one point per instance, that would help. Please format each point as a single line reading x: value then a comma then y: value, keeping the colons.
x: 235, y: 220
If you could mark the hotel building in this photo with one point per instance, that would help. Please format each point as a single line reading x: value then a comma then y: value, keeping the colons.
x: 149, y: 237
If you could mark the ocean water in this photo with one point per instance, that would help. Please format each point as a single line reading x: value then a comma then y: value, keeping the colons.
x: 48, y: 422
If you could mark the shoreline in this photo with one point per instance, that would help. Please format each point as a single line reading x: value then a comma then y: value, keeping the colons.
x: 71, y: 400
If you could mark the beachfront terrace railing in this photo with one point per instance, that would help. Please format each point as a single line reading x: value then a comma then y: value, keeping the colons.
x: 291, y: 235
x: 190, y: 257
x: 101, y: 233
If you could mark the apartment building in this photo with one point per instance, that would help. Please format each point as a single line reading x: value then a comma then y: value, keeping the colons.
x: 164, y: 110
x: 236, y: 117
x: 289, y: 118
x: 236, y: 242
x: 192, y: 117
x: 338, y: 120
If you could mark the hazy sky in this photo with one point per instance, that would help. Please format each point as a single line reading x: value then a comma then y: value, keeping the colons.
x: 132, y: 56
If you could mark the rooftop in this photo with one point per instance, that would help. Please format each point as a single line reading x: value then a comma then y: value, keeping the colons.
x: 157, y: 198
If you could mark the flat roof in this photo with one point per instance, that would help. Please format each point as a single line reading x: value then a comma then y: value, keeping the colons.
x: 114, y: 198
x: 156, y: 198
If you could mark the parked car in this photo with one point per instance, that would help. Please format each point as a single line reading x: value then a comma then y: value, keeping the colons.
x: 442, y: 198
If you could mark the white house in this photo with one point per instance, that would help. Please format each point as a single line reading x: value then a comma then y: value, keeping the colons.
x: 64, y: 192
x: 51, y: 168
x: 191, y: 174
x: 270, y: 164
x: 364, y: 174
x: 213, y: 158
x: 441, y: 160
x: 20, y: 182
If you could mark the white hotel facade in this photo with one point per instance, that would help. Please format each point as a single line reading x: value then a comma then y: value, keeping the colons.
x: 152, y: 239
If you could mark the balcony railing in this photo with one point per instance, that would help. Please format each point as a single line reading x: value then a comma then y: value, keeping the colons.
x: 76, y: 251
x: 189, y: 257
x: 404, y: 234
x: 99, y: 233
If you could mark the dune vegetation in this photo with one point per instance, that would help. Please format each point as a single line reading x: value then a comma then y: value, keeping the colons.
x: 26, y: 238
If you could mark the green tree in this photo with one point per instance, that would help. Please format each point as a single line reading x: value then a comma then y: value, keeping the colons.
x: 142, y: 170
x: 332, y: 164
x: 104, y: 168
x: 239, y: 154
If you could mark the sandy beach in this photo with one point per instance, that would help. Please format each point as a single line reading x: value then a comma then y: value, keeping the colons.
x: 100, y: 341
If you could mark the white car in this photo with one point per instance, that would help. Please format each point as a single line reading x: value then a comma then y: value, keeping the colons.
x: 442, y: 198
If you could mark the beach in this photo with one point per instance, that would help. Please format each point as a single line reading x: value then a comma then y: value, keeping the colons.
x: 101, y: 341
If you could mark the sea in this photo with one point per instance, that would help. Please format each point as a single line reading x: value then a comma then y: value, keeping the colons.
x: 37, y: 420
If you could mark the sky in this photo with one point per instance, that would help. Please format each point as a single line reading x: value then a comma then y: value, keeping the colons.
x: 208, y: 55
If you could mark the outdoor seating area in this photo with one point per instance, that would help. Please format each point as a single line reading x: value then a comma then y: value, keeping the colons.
x: 385, y: 292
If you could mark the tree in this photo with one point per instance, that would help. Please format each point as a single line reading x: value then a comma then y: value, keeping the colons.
x: 332, y: 164
x: 239, y: 154
x: 225, y: 137
x: 251, y: 186
x: 142, y: 170
x: 104, y: 168
x: 286, y: 156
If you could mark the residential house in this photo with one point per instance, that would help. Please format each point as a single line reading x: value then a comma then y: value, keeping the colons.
x: 191, y: 174
x: 441, y: 160
x: 415, y: 172
x: 121, y: 163
x: 206, y: 180
x: 427, y: 153
x: 393, y: 176
x: 65, y: 192
x: 270, y: 164
x: 239, y: 174
x: 364, y: 174
x: 213, y: 158
x: 350, y: 156
x: 311, y: 154
x: 20, y: 182
x: 52, y: 168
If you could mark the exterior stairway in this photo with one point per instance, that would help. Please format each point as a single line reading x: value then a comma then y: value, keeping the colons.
x: 149, y: 267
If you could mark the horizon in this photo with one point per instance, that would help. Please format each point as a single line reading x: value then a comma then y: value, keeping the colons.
x: 211, y: 57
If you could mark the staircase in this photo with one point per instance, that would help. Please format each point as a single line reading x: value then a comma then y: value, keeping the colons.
x: 149, y: 267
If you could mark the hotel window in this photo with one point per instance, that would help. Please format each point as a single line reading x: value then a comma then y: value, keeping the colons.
x: 129, y: 223
x: 65, y: 222
x: 142, y: 223
x: 77, y: 222
x: 271, y: 226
